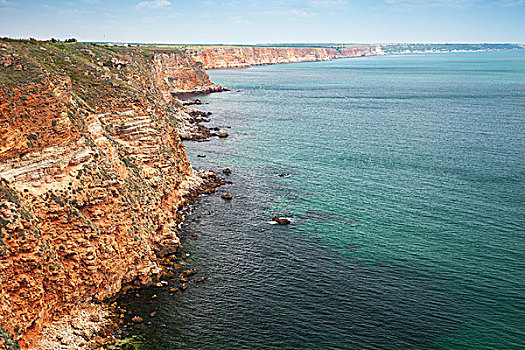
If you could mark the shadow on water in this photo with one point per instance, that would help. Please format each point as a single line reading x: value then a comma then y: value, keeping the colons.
x: 269, y: 287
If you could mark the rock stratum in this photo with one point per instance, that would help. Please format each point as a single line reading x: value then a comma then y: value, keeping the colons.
x: 220, y: 57
x: 93, y: 174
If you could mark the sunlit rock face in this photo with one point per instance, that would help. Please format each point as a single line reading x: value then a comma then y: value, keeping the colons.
x: 92, y: 174
x: 217, y: 57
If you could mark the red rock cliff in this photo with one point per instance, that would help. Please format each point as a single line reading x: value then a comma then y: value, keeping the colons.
x: 92, y: 173
x: 216, y: 57
x: 175, y: 73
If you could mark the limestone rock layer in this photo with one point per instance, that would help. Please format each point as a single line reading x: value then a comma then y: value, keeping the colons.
x: 92, y: 174
x: 217, y: 57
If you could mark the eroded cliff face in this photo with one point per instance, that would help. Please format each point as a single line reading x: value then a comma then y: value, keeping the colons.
x: 217, y: 57
x: 92, y: 174
x: 175, y: 73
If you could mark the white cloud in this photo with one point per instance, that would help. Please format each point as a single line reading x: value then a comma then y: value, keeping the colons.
x: 455, y: 3
x: 301, y: 13
x: 239, y: 20
x: 512, y: 3
x: 329, y: 3
x: 154, y: 4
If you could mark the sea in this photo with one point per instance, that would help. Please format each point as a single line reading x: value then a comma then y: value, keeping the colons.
x: 404, y: 180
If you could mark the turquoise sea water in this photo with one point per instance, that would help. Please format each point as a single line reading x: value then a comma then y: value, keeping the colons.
x: 407, y: 199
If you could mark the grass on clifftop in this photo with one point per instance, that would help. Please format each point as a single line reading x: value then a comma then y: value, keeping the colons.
x: 98, y: 73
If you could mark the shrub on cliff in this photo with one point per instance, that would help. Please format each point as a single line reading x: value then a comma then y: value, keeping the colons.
x: 6, y: 342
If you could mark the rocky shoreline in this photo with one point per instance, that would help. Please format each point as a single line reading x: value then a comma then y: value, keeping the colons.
x: 225, y: 57
x: 93, y: 180
x: 96, y: 325
x: 193, y: 130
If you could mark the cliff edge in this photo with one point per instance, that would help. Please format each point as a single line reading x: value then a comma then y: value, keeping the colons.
x: 219, y: 57
x: 92, y: 174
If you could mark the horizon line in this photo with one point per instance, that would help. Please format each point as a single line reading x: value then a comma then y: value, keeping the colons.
x: 281, y: 43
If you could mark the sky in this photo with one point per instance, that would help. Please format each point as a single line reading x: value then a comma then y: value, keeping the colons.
x: 266, y: 21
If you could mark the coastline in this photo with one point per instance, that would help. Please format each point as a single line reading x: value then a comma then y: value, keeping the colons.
x: 207, y: 312
x: 96, y: 325
x: 93, y: 183
x: 191, y: 187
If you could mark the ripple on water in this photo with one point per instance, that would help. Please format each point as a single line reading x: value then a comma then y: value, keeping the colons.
x: 407, y: 204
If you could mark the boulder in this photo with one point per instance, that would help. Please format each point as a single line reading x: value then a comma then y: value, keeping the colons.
x: 222, y: 133
x: 281, y: 221
x: 137, y: 319
x: 227, y: 196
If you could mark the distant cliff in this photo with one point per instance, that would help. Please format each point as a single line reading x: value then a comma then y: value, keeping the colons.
x: 216, y: 57
x: 92, y: 174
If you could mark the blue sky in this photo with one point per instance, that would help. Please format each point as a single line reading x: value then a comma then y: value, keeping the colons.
x: 266, y: 21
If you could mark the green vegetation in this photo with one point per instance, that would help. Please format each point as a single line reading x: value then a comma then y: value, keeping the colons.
x: 7, y: 341
x: 7, y: 193
x: 98, y: 73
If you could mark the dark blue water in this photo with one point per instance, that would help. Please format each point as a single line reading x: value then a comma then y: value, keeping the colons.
x: 407, y: 200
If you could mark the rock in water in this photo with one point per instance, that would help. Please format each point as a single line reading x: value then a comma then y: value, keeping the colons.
x: 222, y: 133
x: 227, y: 196
x: 137, y: 319
x: 227, y: 171
x: 281, y: 221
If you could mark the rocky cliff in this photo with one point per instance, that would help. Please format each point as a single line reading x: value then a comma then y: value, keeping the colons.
x: 92, y: 174
x: 216, y: 57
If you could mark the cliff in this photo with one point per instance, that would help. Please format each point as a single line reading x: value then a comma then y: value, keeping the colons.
x: 92, y: 174
x: 216, y: 57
